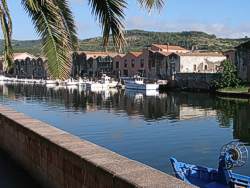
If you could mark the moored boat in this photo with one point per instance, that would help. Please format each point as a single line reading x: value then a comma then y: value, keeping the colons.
x: 233, y: 155
x: 105, y: 83
x: 51, y: 82
x: 138, y: 83
x: 71, y: 82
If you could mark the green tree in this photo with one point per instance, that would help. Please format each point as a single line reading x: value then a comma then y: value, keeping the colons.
x: 229, y: 76
x: 55, y: 25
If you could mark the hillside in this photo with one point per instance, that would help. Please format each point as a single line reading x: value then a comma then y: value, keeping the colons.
x: 138, y: 39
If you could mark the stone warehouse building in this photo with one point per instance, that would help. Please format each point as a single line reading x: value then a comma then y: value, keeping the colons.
x: 133, y: 63
x: 168, y: 60
x: 29, y: 66
x: 196, y: 62
x: 163, y: 61
x: 92, y: 64
x: 154, y: 62
x: 243, y: 61
x: 144, y: 63
x: 158, y: 60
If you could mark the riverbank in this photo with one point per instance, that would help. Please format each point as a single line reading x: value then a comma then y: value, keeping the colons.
x: 239, y: 92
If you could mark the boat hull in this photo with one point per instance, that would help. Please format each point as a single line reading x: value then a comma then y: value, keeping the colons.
x: 135, y: 86
x: 206, y: 177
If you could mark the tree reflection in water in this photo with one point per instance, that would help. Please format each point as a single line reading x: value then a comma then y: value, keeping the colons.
x: 174, y: 106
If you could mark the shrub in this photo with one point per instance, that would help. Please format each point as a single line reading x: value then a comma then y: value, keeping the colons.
x: 229, y: 76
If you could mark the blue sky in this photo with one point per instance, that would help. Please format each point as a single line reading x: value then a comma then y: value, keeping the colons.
x: 225, y: 18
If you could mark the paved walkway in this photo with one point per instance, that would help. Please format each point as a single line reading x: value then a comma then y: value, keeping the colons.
x: 13, y: 176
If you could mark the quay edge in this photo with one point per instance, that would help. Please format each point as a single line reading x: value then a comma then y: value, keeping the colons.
x: 58, y: 159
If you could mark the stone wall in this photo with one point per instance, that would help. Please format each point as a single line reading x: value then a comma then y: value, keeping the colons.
x: 59, y: 159
x: 193, y: 81
x: 194, y: 63
x: 243, y: 62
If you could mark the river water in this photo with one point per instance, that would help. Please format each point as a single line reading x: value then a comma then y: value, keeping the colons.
x: 149, y: 128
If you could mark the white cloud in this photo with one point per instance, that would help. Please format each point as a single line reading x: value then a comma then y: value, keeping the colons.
x: 219, y: 29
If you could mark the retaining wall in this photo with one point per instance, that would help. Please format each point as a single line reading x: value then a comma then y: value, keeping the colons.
x: 203, y: 81
x: 61, y: 160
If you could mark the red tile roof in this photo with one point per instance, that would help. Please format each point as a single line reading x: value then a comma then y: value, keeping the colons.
x: 136, y: 54
x: 169, y: 47
x: 215, y: 54
x: 98, y: 53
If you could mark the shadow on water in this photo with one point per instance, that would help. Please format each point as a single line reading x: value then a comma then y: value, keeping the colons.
x: 148, y: 127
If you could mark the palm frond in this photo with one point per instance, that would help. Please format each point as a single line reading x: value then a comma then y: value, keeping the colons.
x: 52, y: 23
x: 68, y: 21
x: 150, y: 4
x: 6, y: 25
x: 110, y: 14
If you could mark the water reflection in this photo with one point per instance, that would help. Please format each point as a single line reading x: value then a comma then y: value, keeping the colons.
x: 151, y: 106
x: 148, y: 127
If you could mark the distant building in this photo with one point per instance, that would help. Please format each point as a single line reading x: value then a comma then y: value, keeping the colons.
x: 29, y: 66
x: 158, y: 60
x: 196, y: 62
x: 133, y: 63
x: 243, y: 61
x: 168, y: 48
x: 163, y: 65
x: 86, y: 63
x: 147, y: 63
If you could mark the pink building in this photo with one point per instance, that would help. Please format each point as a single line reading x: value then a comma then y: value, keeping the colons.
x: 143, y: 63
x: 133, y: 63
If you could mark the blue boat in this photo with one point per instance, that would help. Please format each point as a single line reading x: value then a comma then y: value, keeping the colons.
x: 232, y: 155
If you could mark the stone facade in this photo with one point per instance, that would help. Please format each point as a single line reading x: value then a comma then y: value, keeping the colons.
x: 196, y: 81
x: 92, y: 64
x: 243, y: 61
x: 200, y: 62
x: 133, y: 63
x: 155, y: 62
x: 163, y: 65
x: 29, y: 66
x: 148, y: 63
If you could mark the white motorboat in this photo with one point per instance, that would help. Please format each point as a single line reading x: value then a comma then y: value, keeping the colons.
x: 51, y: 82
x: 137, y: 83
x: 71, y: 82
x: 106, y: 80
x: 105, y: 83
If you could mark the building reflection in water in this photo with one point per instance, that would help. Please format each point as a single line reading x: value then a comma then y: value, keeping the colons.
x: 175, y: 106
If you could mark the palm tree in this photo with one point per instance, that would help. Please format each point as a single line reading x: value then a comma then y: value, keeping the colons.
x: 55, y: 25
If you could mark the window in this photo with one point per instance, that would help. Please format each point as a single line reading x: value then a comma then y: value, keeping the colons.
x: 205, y: 67
x: 125, y: 72
x: 125, y: 63
x: 142, y: 63
x: 117, y: 64
x: 133, y: 63
x: 153, y: 64
x: 195, y: 68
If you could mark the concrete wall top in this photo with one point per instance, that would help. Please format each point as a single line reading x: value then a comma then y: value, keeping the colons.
x: 60, y: 159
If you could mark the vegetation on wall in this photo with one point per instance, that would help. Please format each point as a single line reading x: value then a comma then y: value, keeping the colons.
x: 229, y: 76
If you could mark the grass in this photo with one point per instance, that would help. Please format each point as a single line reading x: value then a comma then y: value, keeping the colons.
x: 240, y: 89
